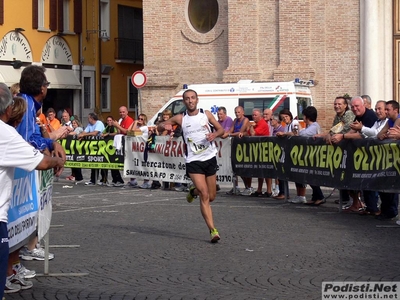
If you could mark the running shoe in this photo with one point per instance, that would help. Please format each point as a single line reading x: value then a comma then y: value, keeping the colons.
x: 23, y: 272
x: 214, y: 235
x: 190, y: 197
x: 247, y: 192
x: 180, y: 188
x: 133, y: 183
x: 11, y: 287
x: 35, y: 254
x: 146, y: 185
x: 234, y: 191
x: 299, y: 200
x: 16, y: 279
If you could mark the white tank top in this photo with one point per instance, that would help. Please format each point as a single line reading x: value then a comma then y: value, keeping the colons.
x: 194, y: 129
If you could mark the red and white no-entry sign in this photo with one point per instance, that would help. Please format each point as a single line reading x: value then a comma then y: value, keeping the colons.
x: 139, y: 79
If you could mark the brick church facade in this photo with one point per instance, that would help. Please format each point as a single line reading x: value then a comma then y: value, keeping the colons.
x: 341, y: 45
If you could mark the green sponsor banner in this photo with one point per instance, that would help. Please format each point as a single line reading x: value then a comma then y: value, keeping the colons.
x: 92, y: 153
x: 360, y: 164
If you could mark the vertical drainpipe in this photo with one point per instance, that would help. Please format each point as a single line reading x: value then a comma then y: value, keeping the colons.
x: 99, y: 59
x: 80, y: 74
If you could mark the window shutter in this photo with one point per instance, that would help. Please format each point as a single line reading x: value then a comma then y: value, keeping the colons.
x: 60, y: 14
x: 35, y: 14
x: 53, y: 15
x: 78, y: 16
x: 1, y: 12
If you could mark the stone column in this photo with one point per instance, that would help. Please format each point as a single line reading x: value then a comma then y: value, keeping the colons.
x: 376, y: 49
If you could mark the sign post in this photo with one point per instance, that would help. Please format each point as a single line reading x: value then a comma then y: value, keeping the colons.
x: 139, y: 80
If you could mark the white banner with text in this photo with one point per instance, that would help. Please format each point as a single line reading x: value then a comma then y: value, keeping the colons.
x: 164, y: 159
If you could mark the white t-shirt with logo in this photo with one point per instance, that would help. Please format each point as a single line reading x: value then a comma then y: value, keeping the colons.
x: 15, y: 153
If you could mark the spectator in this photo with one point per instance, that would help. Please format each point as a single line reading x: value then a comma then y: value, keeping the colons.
x: 291, y: 128
x: 117, y: 181
x: 77, y: 129
x: 52, y: 122
x: 389, y: 201
x: 365, y: 117
x: 367, y: 101
x: 122, y: 125
x: 225, y: 121
x: 312, y: 128
x: 292, y: 125
x: 33, y: 88
x: 175, y: 132
x: 94, y: 128
x: 141, y: 124
x: 41, y: 119
x: 260, y: 128
x: 66, y: 119
x: 267, y: 115
x: 239, y: 128
x: 341, y: 124
x: 124, y: 122
x: 377, y: 127
x: 392, y: 113
x: 17, y: 112
x: 276, y: 127
x: 15, y: 153
x: 14, y: 89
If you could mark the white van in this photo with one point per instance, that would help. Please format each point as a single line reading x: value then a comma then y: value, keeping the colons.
x: 294, y: 95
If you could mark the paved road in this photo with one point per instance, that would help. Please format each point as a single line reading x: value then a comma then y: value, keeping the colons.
x: 152, y: 244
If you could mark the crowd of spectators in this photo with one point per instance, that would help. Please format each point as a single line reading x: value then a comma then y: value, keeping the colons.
x: 352, y: 120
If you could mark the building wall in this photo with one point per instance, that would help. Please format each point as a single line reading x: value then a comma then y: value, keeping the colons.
x: 15, y: 17
x: 263, y: 40
x: 98, y: 52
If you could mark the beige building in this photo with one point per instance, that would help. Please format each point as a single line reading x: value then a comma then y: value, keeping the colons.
x: 344, y: 46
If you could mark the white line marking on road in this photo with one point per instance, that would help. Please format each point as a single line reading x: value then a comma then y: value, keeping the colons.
x: 111, y: 205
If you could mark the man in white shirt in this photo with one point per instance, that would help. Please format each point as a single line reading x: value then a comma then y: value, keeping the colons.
x: 15, y: 153
x: 379, y: 124
x: 389, y: 201
x: 94, y: 128
x: 201, y: 162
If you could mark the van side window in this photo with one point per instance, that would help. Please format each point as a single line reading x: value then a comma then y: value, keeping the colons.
x: 262, y: 103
